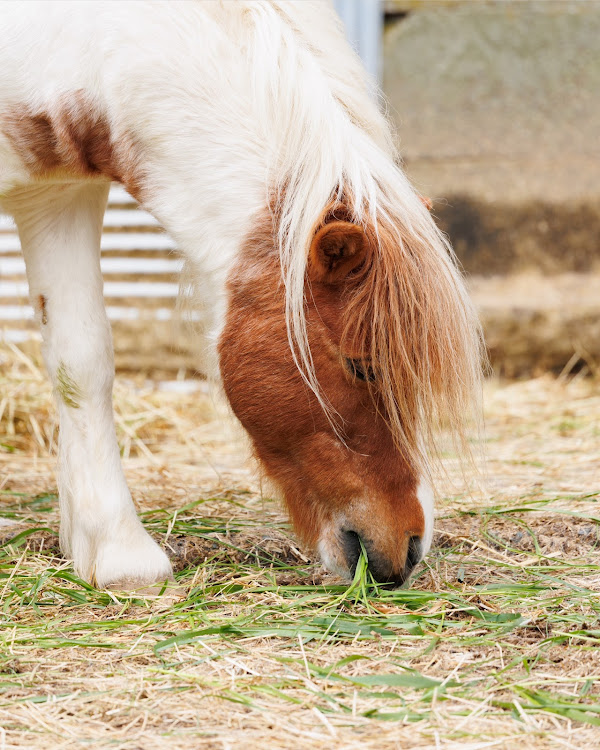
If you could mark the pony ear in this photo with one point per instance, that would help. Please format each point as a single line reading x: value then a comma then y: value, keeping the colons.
x: 337, y: 249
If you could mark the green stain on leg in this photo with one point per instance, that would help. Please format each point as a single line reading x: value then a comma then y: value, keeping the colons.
x: 67, y: 388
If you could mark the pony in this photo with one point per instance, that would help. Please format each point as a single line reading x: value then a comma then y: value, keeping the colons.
x: 332, y: 308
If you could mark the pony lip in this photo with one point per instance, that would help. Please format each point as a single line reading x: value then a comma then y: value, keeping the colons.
x: 340, y: 551
x: 392, y: 556
x: 382, y: 569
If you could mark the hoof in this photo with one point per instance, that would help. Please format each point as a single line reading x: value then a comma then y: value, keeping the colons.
x: 128, y: 561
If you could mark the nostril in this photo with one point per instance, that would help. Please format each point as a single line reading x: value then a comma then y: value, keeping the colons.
x: 351, y: 544
x: 380, y: 568
x: 414, y: 553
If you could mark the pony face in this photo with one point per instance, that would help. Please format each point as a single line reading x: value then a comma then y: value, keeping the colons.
x: 340, y: 471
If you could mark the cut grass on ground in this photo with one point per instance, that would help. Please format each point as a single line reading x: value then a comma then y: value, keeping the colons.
x: 495, y: 644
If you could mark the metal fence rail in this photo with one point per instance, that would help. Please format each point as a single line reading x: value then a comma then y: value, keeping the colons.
x: 141, y: 273
x: 138, y: 264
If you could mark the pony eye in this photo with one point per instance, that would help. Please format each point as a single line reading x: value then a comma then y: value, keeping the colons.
x: 360, y: 369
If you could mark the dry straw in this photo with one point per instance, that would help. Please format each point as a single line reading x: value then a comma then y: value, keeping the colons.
x: 495, y: 644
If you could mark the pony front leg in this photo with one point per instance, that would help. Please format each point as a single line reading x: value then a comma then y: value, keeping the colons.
x: 60, y: 229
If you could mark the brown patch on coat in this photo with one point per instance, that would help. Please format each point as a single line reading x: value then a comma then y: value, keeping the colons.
x: 73, y: 135
x: 42, y: 308
x: 365, y: 479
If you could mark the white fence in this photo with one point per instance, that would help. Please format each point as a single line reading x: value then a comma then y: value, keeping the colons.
x: 141, y: 283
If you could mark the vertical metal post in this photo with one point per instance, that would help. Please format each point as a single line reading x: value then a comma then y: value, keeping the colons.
x: 363, y: 20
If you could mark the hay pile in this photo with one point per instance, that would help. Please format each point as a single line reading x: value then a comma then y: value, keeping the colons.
x: 494, y: 645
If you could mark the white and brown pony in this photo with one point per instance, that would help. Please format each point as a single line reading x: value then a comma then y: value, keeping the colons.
x: 339, y: 324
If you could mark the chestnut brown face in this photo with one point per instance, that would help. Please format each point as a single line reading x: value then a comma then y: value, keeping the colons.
x: 340, y: 489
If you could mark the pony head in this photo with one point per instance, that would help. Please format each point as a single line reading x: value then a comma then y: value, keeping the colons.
x: 342, y: 427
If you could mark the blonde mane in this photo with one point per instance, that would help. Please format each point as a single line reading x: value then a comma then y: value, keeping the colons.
x: 330, y: 142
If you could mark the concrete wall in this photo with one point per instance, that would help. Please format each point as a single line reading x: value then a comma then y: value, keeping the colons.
x: 498, y: 100
x: 497, y: 106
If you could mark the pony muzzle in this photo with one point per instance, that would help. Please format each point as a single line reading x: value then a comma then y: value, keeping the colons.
x: 383, y: 569
x: 341, y: 555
